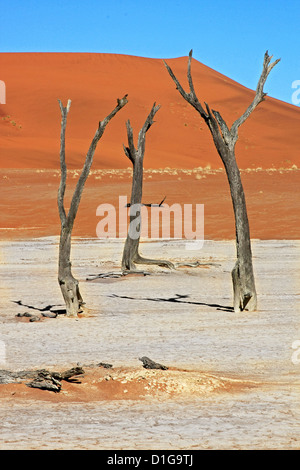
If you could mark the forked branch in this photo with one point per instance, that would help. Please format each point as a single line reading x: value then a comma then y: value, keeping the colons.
x: 259, y: 95
x: 213, y: 118
x: 87, y: 164
x: 68, y: 284
x: 131, y: 254
x: 225, y: 140
x: 190, y: 97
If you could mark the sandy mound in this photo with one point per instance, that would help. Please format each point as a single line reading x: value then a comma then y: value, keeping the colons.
x: 99, y: 384
x: 30, y: 119
x: 181, y: 162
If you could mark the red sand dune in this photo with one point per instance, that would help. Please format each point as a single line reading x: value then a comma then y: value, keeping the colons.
x: 30, y: 140
x: 30, y: 119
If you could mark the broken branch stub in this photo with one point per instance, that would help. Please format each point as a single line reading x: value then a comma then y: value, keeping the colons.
x: 150, y: 364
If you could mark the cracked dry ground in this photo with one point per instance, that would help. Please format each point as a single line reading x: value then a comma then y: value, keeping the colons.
x: 230, y: 383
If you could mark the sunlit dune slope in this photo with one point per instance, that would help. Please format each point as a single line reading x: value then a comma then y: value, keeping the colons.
x: 30, y: 119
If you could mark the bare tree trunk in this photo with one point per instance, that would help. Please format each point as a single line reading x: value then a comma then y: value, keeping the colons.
x: 225, y: 140
x: 68, y: 284
x: 131, y: 254
x: 242, y: 274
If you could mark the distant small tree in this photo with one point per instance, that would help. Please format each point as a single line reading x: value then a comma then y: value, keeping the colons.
x: 131, y: 254
x: 225, y: 140
x: 68, y: 284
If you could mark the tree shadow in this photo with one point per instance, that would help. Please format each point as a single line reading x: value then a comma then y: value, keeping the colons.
x: 48, y: 308
x: 177, y: 299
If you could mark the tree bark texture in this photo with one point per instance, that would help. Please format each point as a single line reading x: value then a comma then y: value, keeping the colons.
x: 131, y: 254
x: 68, y: 284
x: 225, y: 139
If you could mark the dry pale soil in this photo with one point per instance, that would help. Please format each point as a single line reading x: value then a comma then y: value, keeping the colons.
x: 232, y: 380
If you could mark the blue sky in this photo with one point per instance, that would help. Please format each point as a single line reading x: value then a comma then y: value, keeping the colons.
x: 229, y: 36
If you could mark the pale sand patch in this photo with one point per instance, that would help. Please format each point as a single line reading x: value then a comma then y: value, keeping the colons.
x: 231, y: 381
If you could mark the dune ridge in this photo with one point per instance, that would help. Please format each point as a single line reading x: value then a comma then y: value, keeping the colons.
x: 30, y: 119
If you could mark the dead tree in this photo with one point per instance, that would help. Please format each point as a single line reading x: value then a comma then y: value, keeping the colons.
x: 225, y: 140
x: 131, y: 254
x: 68, y: 284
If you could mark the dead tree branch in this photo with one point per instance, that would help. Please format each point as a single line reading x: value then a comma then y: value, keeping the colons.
x: 225, y: 140
x: 68, y: 284
x: 131, y: 254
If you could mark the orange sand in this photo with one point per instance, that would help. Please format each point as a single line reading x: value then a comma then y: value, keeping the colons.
x: 98, y: 384
x: 30, y: 119
x: 30, y: 135
x: 272, y: 200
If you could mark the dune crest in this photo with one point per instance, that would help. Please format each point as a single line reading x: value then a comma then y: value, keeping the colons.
x: 30, y: 119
